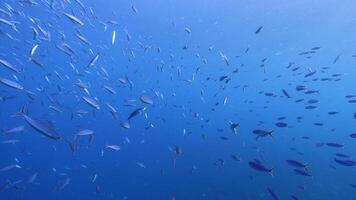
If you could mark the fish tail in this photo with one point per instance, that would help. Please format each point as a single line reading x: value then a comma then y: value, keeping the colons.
x: 270, y: 133
x: 270, y: 172
x: 21, y: 113
x: 71, y: 145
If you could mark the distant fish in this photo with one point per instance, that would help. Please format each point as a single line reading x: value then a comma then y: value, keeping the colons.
x: 113, y: 147
x: 9, y: 167
x: 136, y: 112
x: 113, y: 38
x: 62, y: 184
x: 260, y: 167
x: 298, y: 164
x: 285, y: 93
x: 125, y: 125
x: 9, y: 66
x: 273, y: 194
x: 141, y: 165
x: 262, y: 133
x: 16, y: 129
x: 91, y: 102
x: 337, y: 58
x: 349, y: 163
x: 234, y: 126
x: 146, y: 99
x: 134, y: 9
x: 302, y: 172
x: 12, y: 141
x: 11, y: 83
x: 281, y: 124
x: 258, y: 30
x: 74, y: 19
x: 333, y: 144
x: 188, y: 30
x: 93, y: 60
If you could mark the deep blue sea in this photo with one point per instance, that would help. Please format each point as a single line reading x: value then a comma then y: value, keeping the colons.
x: 177, y: 99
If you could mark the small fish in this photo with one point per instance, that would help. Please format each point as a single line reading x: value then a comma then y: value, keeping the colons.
x: 136, y: 112
x: 260, y: 167
x: 12, y: 141
x: 10, y: 66
x: 295, y: 163
x: 9, y: 167
x: 146, y: 99
x: 113, y: 38
x: 348, y: 163
x: 62, y: 184
x: 93, y: 61
x: 273, y: 194
x: 32, y: 178
x: 141, y: 165
x: 125, y: 125
x: 33, y: 50
x: 11, y: 83
x: 302, y: 172
x: 91, y: 102
x: 16, y: 129
x: 74, y: 19
x: 113, y: 147
x: 336, y: 145
x: 262, y: 133
x: 286, y: 93
x: 258, y: 30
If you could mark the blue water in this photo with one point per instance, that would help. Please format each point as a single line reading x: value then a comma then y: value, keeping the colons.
x: 202, y: 65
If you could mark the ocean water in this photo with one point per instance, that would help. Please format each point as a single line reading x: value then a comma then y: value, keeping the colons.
x: 177, y: 99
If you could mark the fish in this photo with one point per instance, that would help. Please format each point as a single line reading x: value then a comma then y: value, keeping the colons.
x: 43, y: 127
x: 333, y: 144
x: 93, y: 61
x: 234, y: 126
x: 12, y: 141
x: 136, y: 112
x: 91, y: 102
x: 110, y: 89
x: 141, y: 165
x: 9, y: 167
x: 260, y: 167
x: 11, y: 83
x: 281, y: 124
x: 286, y: 93
x: 272, y: 193
x: 258, y: 30
x: 113, y: 37
x: 16, y: 129
x: 298, y: 164
x: 74, y: 19
x: 348, y: 163
x: 146, y: 99
x: 32, y: 178
x: 302, y: 172
x: 262, y: 133
x: 33, y: 50
x: 9, y: 66
x: 85, y: 132
x: 62, y: 184
x: 125, y: 125
x: 113, y: 147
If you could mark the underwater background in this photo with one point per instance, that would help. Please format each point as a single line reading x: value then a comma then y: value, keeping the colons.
x: 177, y: 99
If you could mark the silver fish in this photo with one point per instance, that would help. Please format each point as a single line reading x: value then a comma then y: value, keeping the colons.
x: 11, y: 83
